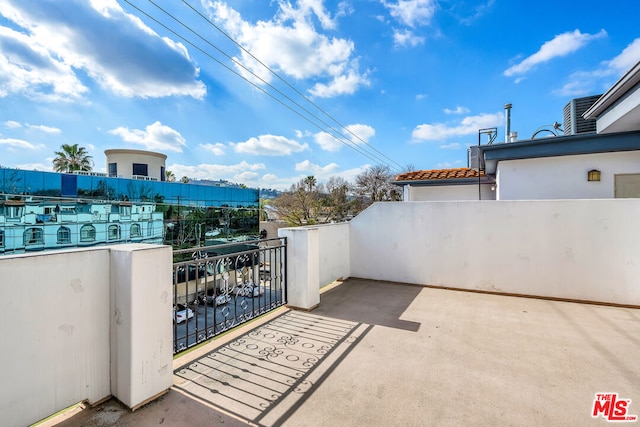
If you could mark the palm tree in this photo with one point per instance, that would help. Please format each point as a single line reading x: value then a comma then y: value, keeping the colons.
x: 310, y: 183
x: 72, y: 158
x: 171, y: 177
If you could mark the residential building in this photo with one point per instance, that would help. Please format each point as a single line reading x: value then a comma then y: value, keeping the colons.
x: 597, y: 156
x: 446, y: 184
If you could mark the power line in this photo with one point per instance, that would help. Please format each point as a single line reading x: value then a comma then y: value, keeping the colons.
x: 286, y: 82
x: 346, y: 141
x: 340, y: 137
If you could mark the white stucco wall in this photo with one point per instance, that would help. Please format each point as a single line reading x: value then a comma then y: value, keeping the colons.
x: 141, y: 325
x: 448, y: 192
x: 334, y: 252
x: 316, y: 256
x: 563, y: 177
x: 55, y: 332
x: 575, y: 249
x: 84, y: 324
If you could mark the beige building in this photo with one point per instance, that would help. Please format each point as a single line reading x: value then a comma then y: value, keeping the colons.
x: 136, y: 164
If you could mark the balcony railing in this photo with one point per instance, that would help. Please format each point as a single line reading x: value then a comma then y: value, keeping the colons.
x: 216, y: 288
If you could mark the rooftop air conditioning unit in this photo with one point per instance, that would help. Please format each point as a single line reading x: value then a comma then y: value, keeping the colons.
x: 573, y: 111
x: 475, y: 159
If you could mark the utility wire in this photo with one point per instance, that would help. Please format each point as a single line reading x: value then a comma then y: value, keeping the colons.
x: 350, y: 144
x: 287, y: 83
x: 346, y: 141
x: 355, y: 147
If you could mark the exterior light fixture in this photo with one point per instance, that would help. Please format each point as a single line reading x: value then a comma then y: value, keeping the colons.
x: 593, y: 175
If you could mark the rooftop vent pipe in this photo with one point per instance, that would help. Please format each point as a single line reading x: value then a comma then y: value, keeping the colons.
x: 507, y: 115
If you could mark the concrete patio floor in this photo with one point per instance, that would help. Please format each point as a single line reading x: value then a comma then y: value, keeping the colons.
x: 376, y: 353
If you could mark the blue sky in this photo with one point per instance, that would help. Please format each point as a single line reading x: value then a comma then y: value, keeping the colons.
x: 397, y: 82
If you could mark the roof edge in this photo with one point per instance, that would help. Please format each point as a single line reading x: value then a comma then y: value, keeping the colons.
x: 619, y: 88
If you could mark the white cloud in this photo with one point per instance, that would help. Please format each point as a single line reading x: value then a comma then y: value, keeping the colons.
x: 355, y: 133
x: 449, y: 165
x: 467, y: 126
x: 29, y: 68
x: 45, y: 129
x: 114, y: 48
x: 561, y: 45
x: 217, y: 149
x: 12, y: 124
x: 269, y: 145
x: 629, y: 56
x: 451, y: 146
x: 457, y: 110
x: 290, y: 44
x: 412, y: 12
x: 155, y: 137
x: 587, y: 82
x: 36, y: 167
x: 216, y: 172
x: 306, y: 168
x: 341, y: 84
x: 14, y: 143
x: 246, y: 176
x: 316, y: 170
x: 421, y: 96
x: 406, y: 37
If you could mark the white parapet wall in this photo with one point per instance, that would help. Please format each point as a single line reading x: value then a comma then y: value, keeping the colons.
x: 83, y: 325
x: 316, y: 256
x: 141, y: 323
x: 572, y: 249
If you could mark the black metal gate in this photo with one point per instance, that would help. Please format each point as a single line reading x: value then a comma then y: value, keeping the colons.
x: 216, y: 288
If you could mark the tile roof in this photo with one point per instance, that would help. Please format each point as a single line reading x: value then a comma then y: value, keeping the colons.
x: 427, y: 175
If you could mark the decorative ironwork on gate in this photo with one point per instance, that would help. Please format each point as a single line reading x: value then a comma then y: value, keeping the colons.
x: 216, y: 288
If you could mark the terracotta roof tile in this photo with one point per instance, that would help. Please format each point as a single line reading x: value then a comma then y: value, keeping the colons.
x: 426, y: 175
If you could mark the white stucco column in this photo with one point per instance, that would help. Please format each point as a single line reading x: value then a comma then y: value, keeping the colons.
x: 141, y: 324
x: 302, y: 267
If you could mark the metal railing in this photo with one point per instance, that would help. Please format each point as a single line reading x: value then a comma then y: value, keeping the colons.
x: 216, y: 288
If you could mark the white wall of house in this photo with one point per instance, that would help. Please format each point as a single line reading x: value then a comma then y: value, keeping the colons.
x: 563, y: 177
x: 435, y: 193
x: 574, y: 249
x: 71, y: 331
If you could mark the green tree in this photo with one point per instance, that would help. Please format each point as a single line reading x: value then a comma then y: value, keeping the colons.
x: 170, y: 176
x: 72, y: 158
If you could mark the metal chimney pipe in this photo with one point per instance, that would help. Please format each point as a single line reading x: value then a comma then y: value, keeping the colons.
x: 507, y: 114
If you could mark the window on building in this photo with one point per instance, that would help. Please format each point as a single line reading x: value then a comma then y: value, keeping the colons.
x: 150, y: 229
x: 1, y: 238
x: 64, y: 235
x: 14, y: 212
x: 114, y: 232
x: 163, y: 174
x: 135, y: 231
x: 88, y: 233
x: 141, y: 169
x: 113, y: 170
x: 33, y: 236
x: 125, y: 210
